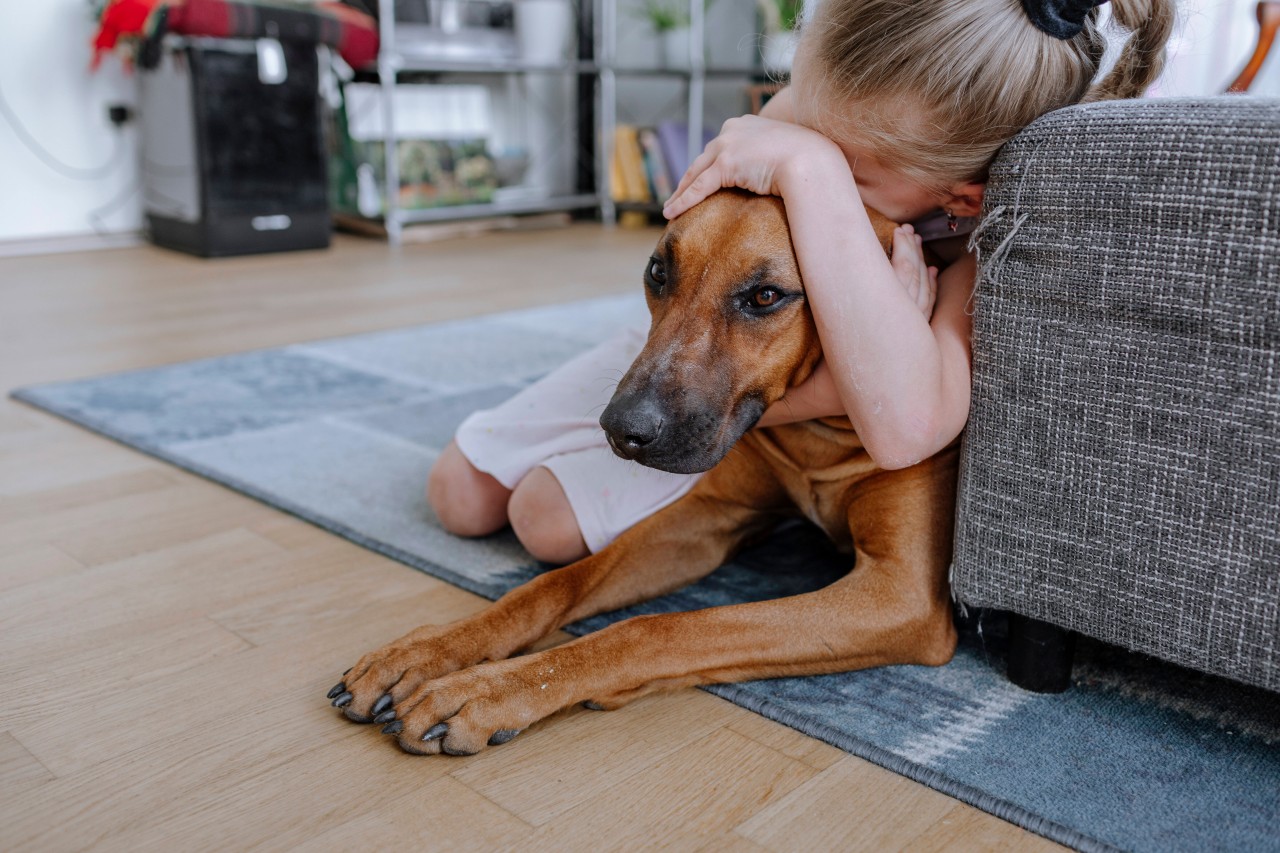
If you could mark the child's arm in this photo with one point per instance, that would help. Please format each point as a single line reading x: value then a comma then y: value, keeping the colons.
x: 817, y: 396
x: 779, y: 107
x: 902, y: 380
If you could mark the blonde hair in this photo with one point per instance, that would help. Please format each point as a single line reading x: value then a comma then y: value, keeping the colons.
x: 935, y: 87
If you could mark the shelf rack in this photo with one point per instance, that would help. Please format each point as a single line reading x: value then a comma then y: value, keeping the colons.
x: 597, y: 73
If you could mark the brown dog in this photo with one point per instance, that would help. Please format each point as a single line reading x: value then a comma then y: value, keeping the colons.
x: 731, y: 332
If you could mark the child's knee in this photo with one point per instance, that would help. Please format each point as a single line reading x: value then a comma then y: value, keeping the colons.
x: 543, y: 519
x: 467, y: 501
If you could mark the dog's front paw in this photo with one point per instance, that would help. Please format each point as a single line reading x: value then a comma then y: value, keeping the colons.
x: 486, y: 705
x: 383, y: 678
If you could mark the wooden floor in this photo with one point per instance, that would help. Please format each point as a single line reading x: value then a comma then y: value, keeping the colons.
x: 168, y: 643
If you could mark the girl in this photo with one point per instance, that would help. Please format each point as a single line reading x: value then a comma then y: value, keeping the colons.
x: 899, y: 105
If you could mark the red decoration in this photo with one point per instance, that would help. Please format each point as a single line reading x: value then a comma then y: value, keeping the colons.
x: 352, y: 33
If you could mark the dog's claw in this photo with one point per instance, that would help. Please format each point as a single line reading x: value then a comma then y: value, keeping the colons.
x: 501, y: 736
x: 343, y: 700
x: 340, y: 687
x: 382, y: 704
x: 393, y: 728
x: 436, y: 732
x: 385, y: 716
x: 592, y: 706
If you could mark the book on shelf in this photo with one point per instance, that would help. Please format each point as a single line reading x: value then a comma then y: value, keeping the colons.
x: 633, y: 183
x: 648, y: 162
x: 673, y: 141
x: 661, y: 183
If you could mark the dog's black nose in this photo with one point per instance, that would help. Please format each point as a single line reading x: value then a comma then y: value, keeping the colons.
x: 631, y: 445
x: 631, y: 427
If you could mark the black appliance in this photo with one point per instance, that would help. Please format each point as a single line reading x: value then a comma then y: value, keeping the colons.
x: 233, y: 150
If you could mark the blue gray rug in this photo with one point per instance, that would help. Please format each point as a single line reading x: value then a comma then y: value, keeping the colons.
x: 1138, y: 755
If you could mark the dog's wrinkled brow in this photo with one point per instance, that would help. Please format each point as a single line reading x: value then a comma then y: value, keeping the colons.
x: 761, y: 274
x: 765, y: 272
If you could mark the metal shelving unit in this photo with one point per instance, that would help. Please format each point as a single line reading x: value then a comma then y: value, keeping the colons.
x: 597, y: 74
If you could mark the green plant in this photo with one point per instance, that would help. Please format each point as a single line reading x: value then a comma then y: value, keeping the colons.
x: 780, y: 15
x: 666, y: 15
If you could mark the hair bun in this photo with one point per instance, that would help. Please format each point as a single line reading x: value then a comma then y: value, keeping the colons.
x: 1062, y: 19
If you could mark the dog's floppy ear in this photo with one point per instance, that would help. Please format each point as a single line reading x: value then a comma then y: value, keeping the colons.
x: 884, y: 228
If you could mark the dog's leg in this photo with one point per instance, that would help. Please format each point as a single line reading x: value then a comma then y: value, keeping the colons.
x: 892, y: 608
x: 672, y: 548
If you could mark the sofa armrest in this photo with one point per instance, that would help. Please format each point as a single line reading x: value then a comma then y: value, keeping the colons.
x: 1121, y: 467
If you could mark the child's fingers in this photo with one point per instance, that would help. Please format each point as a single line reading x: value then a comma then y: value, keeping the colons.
x: 707, y: 181
x: 697, y: 167
x: 932, y: 290
x: 919, y: 280
x: 905, y: 259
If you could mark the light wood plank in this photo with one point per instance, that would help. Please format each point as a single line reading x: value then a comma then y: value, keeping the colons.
x: 966, y: 828
x: 876, y: 811
x: 17, y: 419
x: 358, y: 582
x: 138, y: 764
x: 680, y: 802
x: 102, y: 664
x: 588, y: 753
x: 226, y: 567
x: 165, y: 518
x: 293, y: 533
x: 787, y: 741
x: 34, y: 563
x: 731, y: 843
x: 47, y: 461
x: 459, y: 819
x: 84, y: 492
x: 82, y: 526
x: 19, y: 769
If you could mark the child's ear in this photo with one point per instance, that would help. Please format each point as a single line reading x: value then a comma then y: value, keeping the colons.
x: 966, y: 199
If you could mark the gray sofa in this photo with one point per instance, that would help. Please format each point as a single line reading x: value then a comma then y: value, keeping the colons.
x: 1120, y: 475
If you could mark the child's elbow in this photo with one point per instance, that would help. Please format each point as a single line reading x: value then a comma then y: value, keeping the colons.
x: 898, y: 454
x: 910, y: 444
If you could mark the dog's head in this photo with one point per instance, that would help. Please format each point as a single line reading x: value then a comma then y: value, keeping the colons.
x: 731, y: 332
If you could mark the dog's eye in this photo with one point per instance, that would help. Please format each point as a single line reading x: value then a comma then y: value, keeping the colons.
x: 765, y: 297
x: 656, y: 276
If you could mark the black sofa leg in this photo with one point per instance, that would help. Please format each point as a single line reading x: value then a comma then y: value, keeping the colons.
x: 1040, y: 655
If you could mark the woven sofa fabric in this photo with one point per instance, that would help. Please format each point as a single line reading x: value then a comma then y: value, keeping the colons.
x: 1121, y: 466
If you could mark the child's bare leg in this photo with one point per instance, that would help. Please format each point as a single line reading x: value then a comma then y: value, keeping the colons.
x: 467, y: 501
x: 544, y: 521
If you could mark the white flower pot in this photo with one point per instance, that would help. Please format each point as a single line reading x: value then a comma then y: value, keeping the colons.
x: 674, y: 46
x: 543, y: 30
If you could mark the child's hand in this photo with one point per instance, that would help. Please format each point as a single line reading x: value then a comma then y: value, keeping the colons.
x: 749, y: 153
x: 918, y: 279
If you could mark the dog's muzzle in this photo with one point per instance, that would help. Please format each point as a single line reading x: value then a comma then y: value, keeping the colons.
x: 682, y: 442
x: 631, y: 426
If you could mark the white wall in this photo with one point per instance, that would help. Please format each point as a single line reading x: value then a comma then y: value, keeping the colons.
x: 45, y: 80
x: 1210, y: 45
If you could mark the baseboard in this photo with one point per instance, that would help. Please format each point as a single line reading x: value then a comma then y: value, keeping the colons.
x: 430, y: 232
x: 69, y: 243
